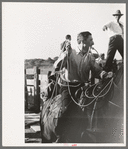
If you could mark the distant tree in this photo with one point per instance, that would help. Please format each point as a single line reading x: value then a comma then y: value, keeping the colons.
x: 55, y: 58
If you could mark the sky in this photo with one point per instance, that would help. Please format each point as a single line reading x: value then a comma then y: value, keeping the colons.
x: 36, y: 30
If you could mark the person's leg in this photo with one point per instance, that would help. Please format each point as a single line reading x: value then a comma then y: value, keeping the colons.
x: 111, y: 53
x: 120, y: 46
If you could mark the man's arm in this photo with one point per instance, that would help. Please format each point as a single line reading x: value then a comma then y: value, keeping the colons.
x: 95, y: 68
x: 68, y: 48
x: 62, y: 61
x: 62, y: 46
x: 105, y: 27
x: 97, y: 71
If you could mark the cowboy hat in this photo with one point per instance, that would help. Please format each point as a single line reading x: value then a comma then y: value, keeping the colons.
x: 117, y: 13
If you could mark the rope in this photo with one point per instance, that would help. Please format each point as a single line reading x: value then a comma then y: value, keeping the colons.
x: 96, y: 51
x: 69, y: 90
x: 93, y: 113
x: 115, y: 85
x: 47, y: 86
x: 115, y: 104
x: 51, y: 99
x: 95, y: 97
x: 95, y: 105
x: 93, y: 84
x: 82, y: 106
x: 111, y: 81
x: 87, y: 90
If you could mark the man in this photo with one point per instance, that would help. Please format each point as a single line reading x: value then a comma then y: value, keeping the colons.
x: 76, y: 74
x: 63, y: 44
x: 79, y: 64
x: 61, y: 56
x: 116, y: 42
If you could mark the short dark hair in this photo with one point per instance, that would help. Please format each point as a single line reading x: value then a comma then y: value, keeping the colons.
x: 68, y: 37
x: 82, y: 36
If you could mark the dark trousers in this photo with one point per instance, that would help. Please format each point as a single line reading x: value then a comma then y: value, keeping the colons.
x: 115, y: 43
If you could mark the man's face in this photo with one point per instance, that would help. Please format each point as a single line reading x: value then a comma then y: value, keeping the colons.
x: 117, y: 17
x: 89, y: 41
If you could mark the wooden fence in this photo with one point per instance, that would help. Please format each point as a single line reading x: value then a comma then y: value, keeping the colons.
x: 33, y: 74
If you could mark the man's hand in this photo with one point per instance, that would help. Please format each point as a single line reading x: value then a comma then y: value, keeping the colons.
x: 105, y: 75
x: 68, y: 47
x: 110, y: 74
x: 104, y: 28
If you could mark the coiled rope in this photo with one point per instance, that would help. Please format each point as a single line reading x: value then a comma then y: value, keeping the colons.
x: 82, y: 106
x: 110, y: 82
x: 51, y: 98
x: 94, y: 96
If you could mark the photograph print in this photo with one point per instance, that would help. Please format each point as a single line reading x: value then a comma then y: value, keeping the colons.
x: 74, y: 71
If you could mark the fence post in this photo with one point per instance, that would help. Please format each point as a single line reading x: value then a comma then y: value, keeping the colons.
x: 37, y: 90
x: 26, y: 92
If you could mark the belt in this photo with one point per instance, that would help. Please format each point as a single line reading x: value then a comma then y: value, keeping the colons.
x: 74, y: 83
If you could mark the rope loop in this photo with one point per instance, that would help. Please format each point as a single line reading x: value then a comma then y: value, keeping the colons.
x: 110, y: 82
